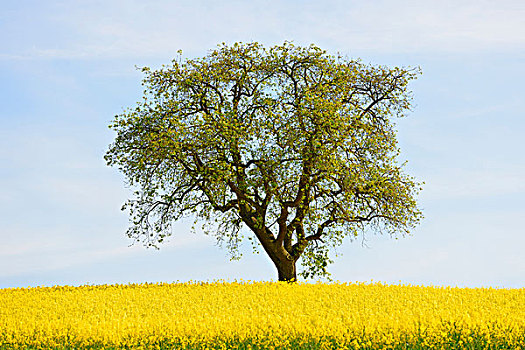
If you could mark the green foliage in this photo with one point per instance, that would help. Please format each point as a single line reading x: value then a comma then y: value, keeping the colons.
x: 476, y: 340
x: 293, y: 143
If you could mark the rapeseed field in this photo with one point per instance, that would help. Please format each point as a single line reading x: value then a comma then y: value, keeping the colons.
x: 261, y: 315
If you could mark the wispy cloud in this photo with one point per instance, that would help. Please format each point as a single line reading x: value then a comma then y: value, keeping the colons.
x: 64, y: 247
x: 49, y: 257
x: 60, y: 203
x: 117, y: 29
x: 437, y: 26
x: 454, y: 184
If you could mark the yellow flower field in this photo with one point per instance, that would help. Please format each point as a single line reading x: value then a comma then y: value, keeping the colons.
x: 266, y: 315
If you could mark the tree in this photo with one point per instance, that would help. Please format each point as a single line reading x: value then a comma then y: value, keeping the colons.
x: 290, y: 142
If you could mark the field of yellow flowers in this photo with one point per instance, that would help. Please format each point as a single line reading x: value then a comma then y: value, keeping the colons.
x: 261, y: 315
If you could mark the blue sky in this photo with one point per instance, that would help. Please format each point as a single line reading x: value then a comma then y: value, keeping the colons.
x: 67, y: 67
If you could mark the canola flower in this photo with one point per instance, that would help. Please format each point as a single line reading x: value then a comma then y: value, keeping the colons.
x: 261, y: 315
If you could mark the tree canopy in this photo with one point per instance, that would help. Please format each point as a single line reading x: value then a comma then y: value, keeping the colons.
x: 296, y: 145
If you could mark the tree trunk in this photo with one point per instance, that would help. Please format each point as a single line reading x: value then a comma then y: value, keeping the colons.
x: 286, y: 270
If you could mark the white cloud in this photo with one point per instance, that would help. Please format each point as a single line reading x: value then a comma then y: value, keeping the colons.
x: 474, y: 183
x: 436, y: 26
x: 116, y: 29
x: 62, y: 247
x: 60, y: 204
x: 451, y: 247
x: 38, y: 259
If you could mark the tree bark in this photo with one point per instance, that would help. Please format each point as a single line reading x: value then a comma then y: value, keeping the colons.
x: 286, y: 270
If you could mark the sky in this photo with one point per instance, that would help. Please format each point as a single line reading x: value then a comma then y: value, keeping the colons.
x: 68, y: 67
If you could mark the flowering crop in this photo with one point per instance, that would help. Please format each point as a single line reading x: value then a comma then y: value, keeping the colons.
x: 251, y: 315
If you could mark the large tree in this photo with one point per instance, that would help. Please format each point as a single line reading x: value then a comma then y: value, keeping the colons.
x: 290, y: 142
